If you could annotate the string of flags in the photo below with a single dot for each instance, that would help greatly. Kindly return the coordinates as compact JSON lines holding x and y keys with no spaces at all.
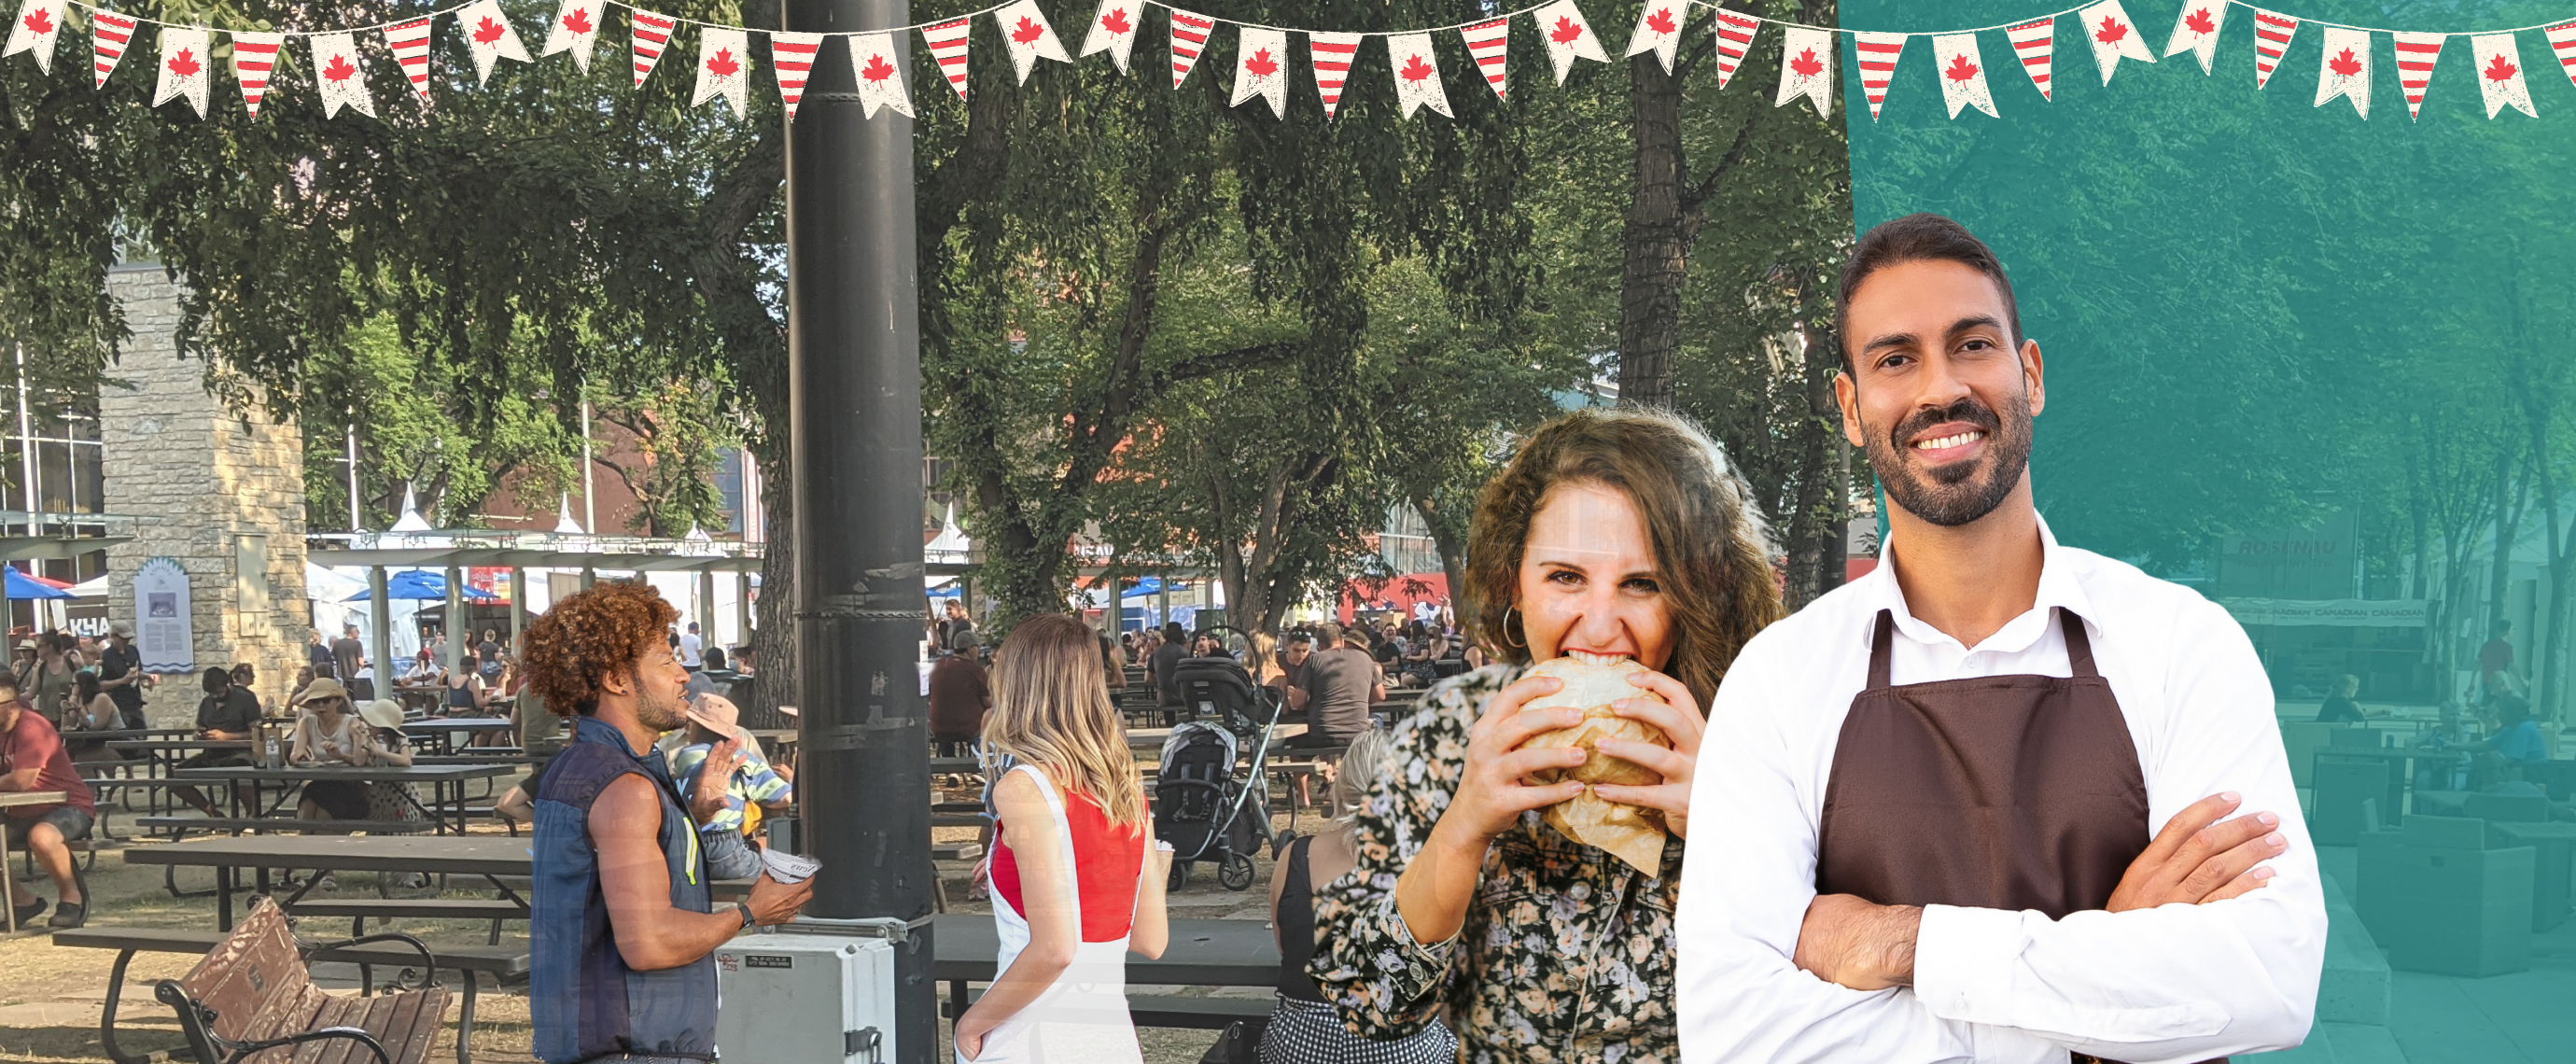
{"x":184,"y":60}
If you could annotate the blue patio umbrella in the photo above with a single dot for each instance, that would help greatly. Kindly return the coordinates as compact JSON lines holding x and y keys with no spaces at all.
{"x":22,"y":586}
{"x":420,"y":584}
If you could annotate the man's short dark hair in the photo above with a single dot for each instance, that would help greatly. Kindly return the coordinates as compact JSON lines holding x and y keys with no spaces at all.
{"x":1919,"y":237}
{"x":1328,"y":635}
{"x":1301,"y":636}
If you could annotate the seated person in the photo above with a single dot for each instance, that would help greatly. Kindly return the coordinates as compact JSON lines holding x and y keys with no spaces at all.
{"x":330,"y":733}
{"x":226,"y":713}
{"x":750,"y":786}
{"x":32,"y":758}
{"x":2339,"y":708}
{"x":2515,"y":743}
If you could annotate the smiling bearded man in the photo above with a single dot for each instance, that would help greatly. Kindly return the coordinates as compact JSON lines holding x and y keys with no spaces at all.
{"x":1969,"y":807}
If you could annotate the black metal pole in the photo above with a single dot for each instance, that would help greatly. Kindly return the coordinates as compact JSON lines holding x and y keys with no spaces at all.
{"x":854,"y":383}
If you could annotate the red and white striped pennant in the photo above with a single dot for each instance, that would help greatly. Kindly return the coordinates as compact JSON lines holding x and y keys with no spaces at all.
{"x":2272,"y":33}
{"x":1486,"y":43}
{"x":254,"y":58}
{"x":2562,"y":39}
{"x":110,"y":34}
{"x":791,"y":57}
{"x":410,"y":42}
{"x":1189,"y":38}
{"x":1332,"y":53}
{"x":2035,"y":44}
{"x":1735,"y":34}
{"x":947,"y":42}
{"x":2416,"y":54}
{"x":649,"y":35}
{"x":1875,"y":58}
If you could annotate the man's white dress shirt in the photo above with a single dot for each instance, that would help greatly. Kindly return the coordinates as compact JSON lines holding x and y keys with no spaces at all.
{"x":2174,"y":983}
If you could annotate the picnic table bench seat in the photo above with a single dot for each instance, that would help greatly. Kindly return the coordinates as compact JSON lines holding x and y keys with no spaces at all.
{"x":359,"y":909}
{"x":1173,"y":1010}
{"x":180,"y":826}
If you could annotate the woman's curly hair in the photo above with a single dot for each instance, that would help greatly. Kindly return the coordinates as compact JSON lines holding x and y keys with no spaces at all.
{"x":589,"y":636}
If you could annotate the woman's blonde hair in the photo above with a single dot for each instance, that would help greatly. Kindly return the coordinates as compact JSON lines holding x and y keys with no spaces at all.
{"x":1051,"y":709}
{"x":1367,"y":758}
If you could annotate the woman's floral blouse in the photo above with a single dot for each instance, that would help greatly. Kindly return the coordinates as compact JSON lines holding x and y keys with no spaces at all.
{"x":1566,"y":954}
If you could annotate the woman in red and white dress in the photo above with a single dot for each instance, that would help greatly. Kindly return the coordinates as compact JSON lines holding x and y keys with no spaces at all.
{"x":1077,"y":877}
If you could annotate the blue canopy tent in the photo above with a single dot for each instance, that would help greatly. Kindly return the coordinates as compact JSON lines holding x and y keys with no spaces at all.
{"x":418,"y":584}
{"x":22,"y":586}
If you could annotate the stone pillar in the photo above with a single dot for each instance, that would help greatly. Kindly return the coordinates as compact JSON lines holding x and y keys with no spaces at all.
{"x":217,"y":490}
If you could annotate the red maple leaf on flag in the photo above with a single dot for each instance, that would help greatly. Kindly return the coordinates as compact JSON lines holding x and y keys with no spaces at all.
{"x":339,"y":70}
{"x":1115,"y":21}
{"x":2200,"y":23}
{"x":1806,"y":65}
{"x":2344,"y":65}
{"x":2111,"y":32}
{"x":1960,"y":68}
{"x":184,"y":64}
{"x":1567,"y":30}
{"x":723,"y":65}
{"x":1028,"y":32}
{"x":2499,"y":70}
{"x":488,"y":32}
{"x":1415,"y":69}
{"x":1661,"y":21}
{"x":37,"y":22}
{"x":1261,"y":65}
{"x":878,"y":69}
{"x":578,"y":21}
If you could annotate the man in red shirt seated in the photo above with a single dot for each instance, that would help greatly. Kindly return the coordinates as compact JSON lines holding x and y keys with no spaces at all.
{"x":32,"y":758}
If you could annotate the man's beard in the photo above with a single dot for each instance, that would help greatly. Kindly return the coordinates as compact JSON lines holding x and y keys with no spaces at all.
{"x":1960,"y":492}
{"x":661,"y":716}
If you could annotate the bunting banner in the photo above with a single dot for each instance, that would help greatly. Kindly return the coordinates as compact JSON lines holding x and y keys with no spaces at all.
{"x":1417,"y":74}
{"x":2345,"y":71}
{"x":2272,"y":33}
{"x":1189,"y":38}
{"x":110,"y":34}
{"x":2035,"y":44}
{"x":1735,"y":35}
{"x":1807,"y":68}
{"x":254,"y":61}
{"x":2416,"y":54}
{"x":1568,"y":33}
{"x":2500,"y":74}
{"x":1963,"y":73}
{"x":1025,"y":30}
{"x":1332,"y":54}
{"x":2196,"y":31}
{"x":1261,"y":68}
{"x":1659,"y":30}
{"x":575,"y":29}
{"x":1113,"y":30}
{"x":880,"y":72}
{"x":489,"y":38}
{"x":947,"y":42}
{"x":724,"y":68}
{"x":1486,"y":43}
{"x":183,"y":68}
{"x":651,"y":37}
{"x":339,"y":76}
{"x":39,"y":26}
{"x":410,"y":42}
{"x":1874,"y":55}
{"x":791,"y":58}
{"x":2114,"y":37}
{"x":2562,"y":40}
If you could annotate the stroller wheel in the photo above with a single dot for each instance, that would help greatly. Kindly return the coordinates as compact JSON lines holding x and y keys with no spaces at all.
{"x":1179,"y":878}
{"x":1235,"y":872}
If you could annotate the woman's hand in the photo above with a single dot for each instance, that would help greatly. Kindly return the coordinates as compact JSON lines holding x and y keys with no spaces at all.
{"x":969,"y":1036}
{"x":1679,"y":717}
{"x":1494,"y":791}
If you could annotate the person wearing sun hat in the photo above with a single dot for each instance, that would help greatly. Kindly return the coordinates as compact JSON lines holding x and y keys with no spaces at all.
{"x":752,"y":785}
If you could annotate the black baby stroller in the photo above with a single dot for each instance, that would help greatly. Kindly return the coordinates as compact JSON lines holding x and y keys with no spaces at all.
{"x":1202,"y":808}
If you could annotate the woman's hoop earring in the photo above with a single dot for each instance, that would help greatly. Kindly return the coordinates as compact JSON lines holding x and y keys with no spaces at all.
{"x":1508,"y":611}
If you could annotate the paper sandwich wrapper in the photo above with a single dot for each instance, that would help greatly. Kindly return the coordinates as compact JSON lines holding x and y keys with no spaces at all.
{"x":1634,"y":834}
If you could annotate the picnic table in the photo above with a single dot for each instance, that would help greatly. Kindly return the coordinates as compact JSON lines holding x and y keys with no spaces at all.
{"x":9,"y":920}
{"x":438,"y":734}
{"x":292,"y":778}
{"x":489,"y":856}
{"x":1202,"y":953}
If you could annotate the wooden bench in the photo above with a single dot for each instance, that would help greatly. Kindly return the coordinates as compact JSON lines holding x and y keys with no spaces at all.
{"x":253,"y":993}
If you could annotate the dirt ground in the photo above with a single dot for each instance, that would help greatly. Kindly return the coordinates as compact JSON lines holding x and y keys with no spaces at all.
{"x":50,"y":997}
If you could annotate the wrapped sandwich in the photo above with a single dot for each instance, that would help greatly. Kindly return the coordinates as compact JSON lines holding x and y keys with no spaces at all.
{"x":1634,"y":834}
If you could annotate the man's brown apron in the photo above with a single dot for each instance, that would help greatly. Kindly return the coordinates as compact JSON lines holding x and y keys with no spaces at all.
{"x":1999,"y":792}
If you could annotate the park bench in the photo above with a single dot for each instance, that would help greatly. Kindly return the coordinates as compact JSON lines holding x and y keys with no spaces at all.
{"x":419,"y":961}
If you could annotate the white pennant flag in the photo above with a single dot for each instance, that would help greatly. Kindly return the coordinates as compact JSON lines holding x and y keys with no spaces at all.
{"x":1113,"y":30}
{"x":1332,"y":54}
{"x":1261,"y":67}
{"x":2416,"y":54}
{"x":410,"y":42}
{"x":1874,"y":57}
{"x":2114,"y":36}
{"x":2035,"y":44}
{"x":649,"y":37}
{"x":1659,"y":30}
{"x":1807,"y":68}
{"x":724,"y":68}
{"x":110,"y":35}
{"x":880,"y":73}
{"x":254,"y":63}
{"x":1963,"y":73}
{"x":2500,"y":73}
{"x":337,"y":73}
{"x":1735,"y":33}
{"x":1190,"y":35}
{"x":947,"y":42}
{"x":1486,"y":44}
{"x":2196,"y":31}
{"x":791,"y":57}
{"x":39,"y":25}
{"x":1417,"y":74}
{"x":2562,"y":39}
{"x":489,"y":37}
{"x":2272,"y":33}
{"x":1026,"y":33}
{"x":2345,"y":71}
{"x":183,"y":68}
{"x":575,"y":29}
{"x":1568,"y":33}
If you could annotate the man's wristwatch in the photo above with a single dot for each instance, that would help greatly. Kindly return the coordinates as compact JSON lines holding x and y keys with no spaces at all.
{"x":746,"y":914}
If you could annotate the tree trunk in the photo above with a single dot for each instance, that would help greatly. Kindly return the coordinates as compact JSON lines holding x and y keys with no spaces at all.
{"x":1453,"y":556}
{"x":773,"y":637}
{"x":1656,"y":250}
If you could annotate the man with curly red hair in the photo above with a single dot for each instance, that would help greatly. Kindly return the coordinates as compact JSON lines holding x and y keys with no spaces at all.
{"x":622,"y":933}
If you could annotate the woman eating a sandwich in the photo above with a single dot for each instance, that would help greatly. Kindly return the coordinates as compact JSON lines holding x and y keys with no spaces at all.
{"x":1519,"y":862}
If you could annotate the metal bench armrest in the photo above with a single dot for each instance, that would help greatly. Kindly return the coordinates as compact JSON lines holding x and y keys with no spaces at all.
{"x":428,"y":962}
{"x":241,"y":1050}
